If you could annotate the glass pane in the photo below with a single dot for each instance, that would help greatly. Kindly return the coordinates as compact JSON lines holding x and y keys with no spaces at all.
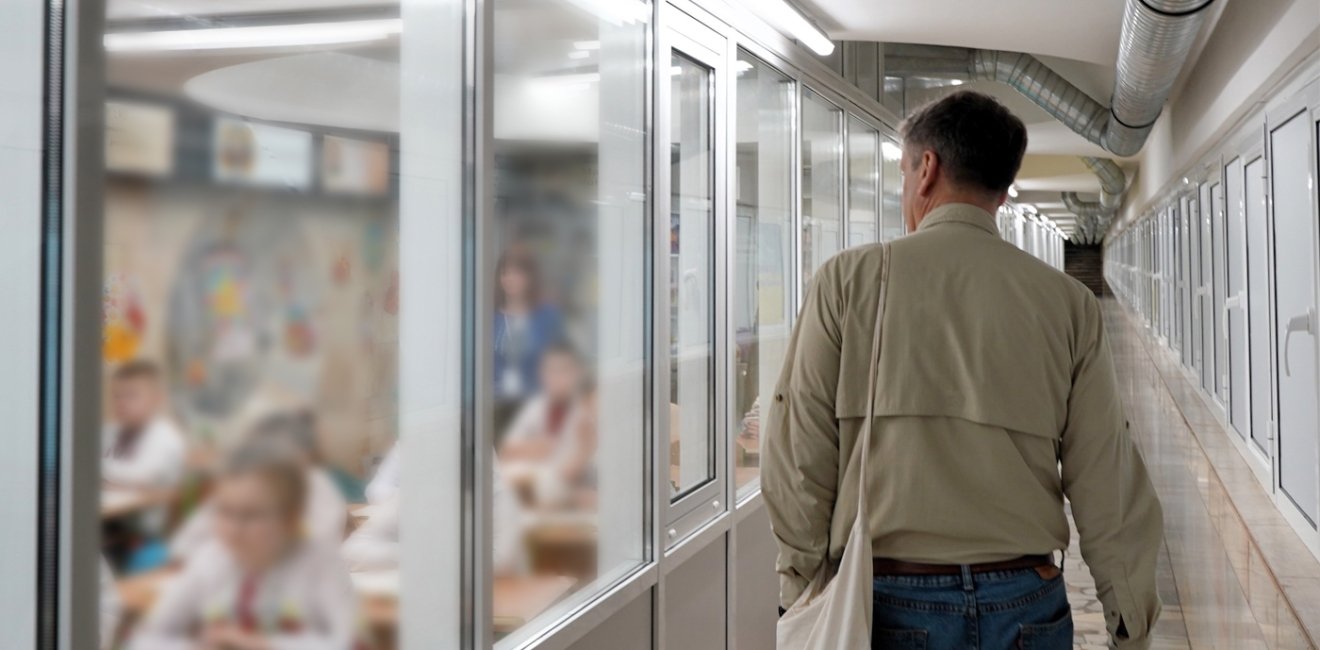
{"x":282,"y":314}
{"x":566,"y":301}
{"x":761,"y":307}
{"x":891,"y":196}
{"x":863,"y":182}
{"x":691,"y":276}
{"x":1220,"y":291}
{"x":22,"y":30}
{"x":822,"y":182}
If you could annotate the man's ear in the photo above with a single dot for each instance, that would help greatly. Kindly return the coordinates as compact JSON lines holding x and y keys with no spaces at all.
{"x":928,"y":173}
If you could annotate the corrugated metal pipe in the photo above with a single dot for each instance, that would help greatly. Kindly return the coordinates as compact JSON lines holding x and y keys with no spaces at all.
{"x":1157,"y":36}
{"x":1112,"y":184}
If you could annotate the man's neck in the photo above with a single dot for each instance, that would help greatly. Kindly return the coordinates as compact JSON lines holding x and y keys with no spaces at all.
{"x":951,"y":196}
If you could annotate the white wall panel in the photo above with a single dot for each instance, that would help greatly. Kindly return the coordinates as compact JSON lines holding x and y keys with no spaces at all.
{"x":756,"y":585}
{"x":694,"y":601}
{"x":627,"y":629}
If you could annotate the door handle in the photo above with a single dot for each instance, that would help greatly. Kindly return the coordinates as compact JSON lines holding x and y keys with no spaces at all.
{"x":1300,"y":323}
{"x":1232,"y":302}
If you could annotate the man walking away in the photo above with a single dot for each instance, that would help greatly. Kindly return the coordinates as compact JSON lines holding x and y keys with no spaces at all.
{"x":995,"y":399}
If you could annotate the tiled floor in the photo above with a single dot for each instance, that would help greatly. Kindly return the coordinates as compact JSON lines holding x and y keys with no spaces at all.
{"x":1214,"y":581}
{"x":1088,"y":617}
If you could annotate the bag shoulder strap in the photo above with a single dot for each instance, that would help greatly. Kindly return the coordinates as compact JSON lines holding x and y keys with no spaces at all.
{"x":870,"y":383}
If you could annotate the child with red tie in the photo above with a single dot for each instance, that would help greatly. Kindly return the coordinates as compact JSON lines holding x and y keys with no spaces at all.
{"x":260,"y":583}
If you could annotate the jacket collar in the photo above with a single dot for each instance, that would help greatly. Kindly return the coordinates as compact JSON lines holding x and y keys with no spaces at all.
{"x":963,"y":213}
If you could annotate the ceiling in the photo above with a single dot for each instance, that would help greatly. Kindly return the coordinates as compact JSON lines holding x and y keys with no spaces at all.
{"x":1085,"y":30}
{"x":1076,"y":38}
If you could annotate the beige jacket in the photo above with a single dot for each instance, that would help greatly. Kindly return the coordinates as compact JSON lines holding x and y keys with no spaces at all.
{"x":995,"y":398}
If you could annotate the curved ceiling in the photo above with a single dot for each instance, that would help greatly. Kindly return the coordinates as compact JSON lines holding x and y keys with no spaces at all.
{"x":1085,"y":30}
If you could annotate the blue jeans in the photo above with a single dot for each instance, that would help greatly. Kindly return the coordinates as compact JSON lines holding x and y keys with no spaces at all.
{"x":996,"y":610}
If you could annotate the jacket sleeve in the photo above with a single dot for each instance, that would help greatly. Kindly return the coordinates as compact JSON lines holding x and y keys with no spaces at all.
{"x":1118,"y":515}
{"x":800,"y":455}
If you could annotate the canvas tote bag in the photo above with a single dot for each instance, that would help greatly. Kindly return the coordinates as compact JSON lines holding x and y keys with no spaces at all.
{"x":834,"y":613}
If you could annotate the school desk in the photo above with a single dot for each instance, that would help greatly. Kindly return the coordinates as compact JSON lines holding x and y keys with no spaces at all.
{"x":563,"y":543}
{"x":118,"y":501}
{"x":750,"y":451}
{"x":515,"y":599}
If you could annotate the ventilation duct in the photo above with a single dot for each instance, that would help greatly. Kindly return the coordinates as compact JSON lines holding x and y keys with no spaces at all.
{"x":1112,"y":184}
{"x":1156,"y":37}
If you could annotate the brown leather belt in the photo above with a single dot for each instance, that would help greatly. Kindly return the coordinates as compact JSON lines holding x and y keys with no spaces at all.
{"x":886,"y":567}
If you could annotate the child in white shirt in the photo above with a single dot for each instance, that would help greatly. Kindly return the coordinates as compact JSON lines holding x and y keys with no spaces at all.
{"x":325,"y":516}
{"x":140,"y":447}
{"x":259,"y":583}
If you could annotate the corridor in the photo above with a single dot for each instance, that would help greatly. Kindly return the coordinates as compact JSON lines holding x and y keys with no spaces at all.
{"x":1233,"y":574}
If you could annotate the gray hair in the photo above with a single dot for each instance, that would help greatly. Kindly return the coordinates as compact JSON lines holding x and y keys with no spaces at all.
{"x":979,"y":142}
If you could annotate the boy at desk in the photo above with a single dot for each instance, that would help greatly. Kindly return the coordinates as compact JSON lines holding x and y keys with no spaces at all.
{"x":258,"y":583}
{"x":140,"y":448}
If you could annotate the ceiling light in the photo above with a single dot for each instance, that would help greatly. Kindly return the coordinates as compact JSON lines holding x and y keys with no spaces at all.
{"x":783,"y":16}
{"x":221,"y":38}
{"x":1012,"y":191}
{"x":587,"y":45}
{"x":956,"y":82}
{"x":579,"y":54}
{"x":618,"y":12}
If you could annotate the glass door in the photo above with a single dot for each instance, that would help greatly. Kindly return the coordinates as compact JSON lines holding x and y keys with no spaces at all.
{"x":691,"y":265}
{"x":1185,"y":281}
{"x":1235,"y":315}
{"x":1194,"y":288}
{"x":1291,"y":141}
{"x":1207,"y":290}
{"x":1220,"y":291}
{"x":1258,"y":312}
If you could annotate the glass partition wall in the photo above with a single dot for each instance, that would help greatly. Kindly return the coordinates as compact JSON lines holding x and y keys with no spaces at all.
{"x":282,"y":324}
{"x":822,"y":188}
{"x":566,"y":299}
{"x":863,"y":182}
{"x":363,"y":276}
{"x":763,"y":296}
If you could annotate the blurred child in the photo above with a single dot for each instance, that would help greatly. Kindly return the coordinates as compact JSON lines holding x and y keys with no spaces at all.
{"x":140,"y":447}
{"x":325,"y":517}
{"x":385,"y":482}
{"x":553,"y":436}
{"x":258,"y":583}
{"x":374,"y":545}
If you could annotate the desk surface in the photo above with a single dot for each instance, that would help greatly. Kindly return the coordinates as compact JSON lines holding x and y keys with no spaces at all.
{"x":517,"y":599}
{"x":120,"y":501}
{"x":750,"y":446}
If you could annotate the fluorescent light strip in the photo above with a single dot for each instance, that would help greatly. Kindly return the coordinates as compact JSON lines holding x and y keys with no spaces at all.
{"x":223,"y":38}
{"x":782,"y":15}
{"x":617,"y":12}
